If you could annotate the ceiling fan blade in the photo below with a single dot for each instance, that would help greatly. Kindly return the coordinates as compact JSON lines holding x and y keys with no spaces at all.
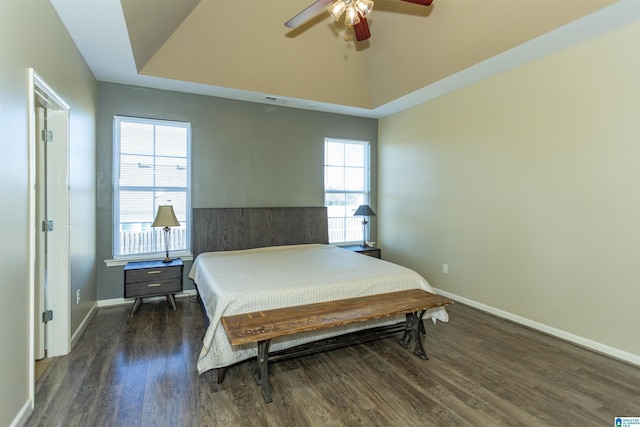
{"x":307,"y":14}
{"x":361,"y":29}
{"x":422,"y":2}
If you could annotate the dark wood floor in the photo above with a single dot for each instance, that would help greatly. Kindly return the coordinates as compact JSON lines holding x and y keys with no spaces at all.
{"x":483,"y":371}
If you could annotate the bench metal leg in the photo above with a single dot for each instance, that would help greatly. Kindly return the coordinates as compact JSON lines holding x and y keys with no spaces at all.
{"x":413,"y":333}
{"x":262,"y":372}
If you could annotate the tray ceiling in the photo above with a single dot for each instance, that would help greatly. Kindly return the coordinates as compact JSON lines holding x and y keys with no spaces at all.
{"x":241,"y":49}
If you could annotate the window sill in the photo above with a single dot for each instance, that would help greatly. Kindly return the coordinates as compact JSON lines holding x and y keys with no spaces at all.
{"x":119,"y":262}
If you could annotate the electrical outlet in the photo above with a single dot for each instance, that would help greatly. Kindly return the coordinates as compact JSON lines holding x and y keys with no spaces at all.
{"x":445,"y":268}
{"x":78,"y":296}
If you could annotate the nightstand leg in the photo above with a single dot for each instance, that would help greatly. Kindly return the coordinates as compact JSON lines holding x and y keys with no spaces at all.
{"x":172,"y":300}
{"x":136,"y":305}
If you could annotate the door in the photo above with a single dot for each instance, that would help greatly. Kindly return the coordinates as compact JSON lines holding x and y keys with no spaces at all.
{"x":46,"y":201}
{"x":49,"y":218}
{"x":41,"y":235}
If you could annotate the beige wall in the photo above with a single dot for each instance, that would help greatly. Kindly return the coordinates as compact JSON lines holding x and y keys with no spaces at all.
{"x":31,"y":35}
{"x":528,"y":186}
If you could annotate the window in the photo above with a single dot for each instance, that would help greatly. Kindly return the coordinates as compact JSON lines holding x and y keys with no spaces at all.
{"x":346,"y":186}
{"x":151,"y":167}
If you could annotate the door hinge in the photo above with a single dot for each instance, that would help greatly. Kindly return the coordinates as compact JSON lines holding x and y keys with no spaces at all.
{"x":47,"y":225}
{"x":47,"y":316}
{"x":46,"y":135}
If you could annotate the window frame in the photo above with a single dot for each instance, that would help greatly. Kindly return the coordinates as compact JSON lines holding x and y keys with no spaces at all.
{"x":185,"y":252}
{"x":366,"y":192}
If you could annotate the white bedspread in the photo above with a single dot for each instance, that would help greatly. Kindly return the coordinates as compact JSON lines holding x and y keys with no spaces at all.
{"x":243,"y":281}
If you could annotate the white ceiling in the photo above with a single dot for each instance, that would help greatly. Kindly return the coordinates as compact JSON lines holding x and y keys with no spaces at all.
{"x":184,"y":54}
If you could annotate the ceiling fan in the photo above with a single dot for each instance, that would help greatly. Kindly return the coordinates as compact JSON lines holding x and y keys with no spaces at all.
{"x":356,"y":14}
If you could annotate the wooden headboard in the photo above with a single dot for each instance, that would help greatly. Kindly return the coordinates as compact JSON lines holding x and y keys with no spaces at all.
{"x":227,"y":229}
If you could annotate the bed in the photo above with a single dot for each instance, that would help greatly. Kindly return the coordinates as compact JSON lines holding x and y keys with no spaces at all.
{"x":249,"y":259}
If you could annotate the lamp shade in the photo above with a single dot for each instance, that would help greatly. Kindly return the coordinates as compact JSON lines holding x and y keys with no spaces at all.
{"x":364,"y":210}
{"x":165,"y":217}
{"x":352,"y":17}
{"x":364,"y":7}
{"x":336,"y":9}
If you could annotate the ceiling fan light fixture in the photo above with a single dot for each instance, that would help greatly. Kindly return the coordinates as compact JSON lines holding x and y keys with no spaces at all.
{"x":336,"y":9}
{"x":356,"y":16}
{"x":352,"y":17}
{"x":364,"y":7}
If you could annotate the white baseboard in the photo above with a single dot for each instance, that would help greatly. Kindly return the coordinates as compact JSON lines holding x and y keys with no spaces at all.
{"x":83,"y":325}
{"x":23,"y":416}
{"x":613,"y":352}
{"x":128,"y":301}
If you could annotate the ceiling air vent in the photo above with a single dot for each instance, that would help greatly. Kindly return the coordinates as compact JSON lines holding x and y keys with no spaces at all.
{"x":276,"y":100}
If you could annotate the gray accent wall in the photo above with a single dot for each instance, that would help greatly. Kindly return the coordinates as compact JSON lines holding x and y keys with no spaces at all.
{"x":243,"y":155}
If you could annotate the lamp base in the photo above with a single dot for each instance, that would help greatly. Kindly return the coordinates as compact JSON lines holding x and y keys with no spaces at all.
{"x":166,"y":245}
{"x":364,"y":234}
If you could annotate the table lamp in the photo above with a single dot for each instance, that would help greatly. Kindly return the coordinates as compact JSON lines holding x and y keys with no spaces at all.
{"x":166,"y":218}
{"x":364,"y":211}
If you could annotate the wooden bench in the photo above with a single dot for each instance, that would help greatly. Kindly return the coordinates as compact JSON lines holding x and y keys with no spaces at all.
{"x":263,"y":326}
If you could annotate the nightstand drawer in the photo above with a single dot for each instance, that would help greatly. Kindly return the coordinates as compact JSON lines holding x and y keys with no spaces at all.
{"x":368,"y":251}
{"x":149,"y":288}
{"x":371,"y":253}
{"x":149,"y":275}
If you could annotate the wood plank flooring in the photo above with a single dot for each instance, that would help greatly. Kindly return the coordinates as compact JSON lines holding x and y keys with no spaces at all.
{"x":483,"y":371}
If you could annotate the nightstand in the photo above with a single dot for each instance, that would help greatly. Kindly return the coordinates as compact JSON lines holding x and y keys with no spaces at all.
{"x":152,"y":278}
{"x":369,"y":251}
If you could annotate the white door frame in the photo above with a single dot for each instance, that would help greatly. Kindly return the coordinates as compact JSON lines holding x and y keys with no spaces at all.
{"x":59,"y":286}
